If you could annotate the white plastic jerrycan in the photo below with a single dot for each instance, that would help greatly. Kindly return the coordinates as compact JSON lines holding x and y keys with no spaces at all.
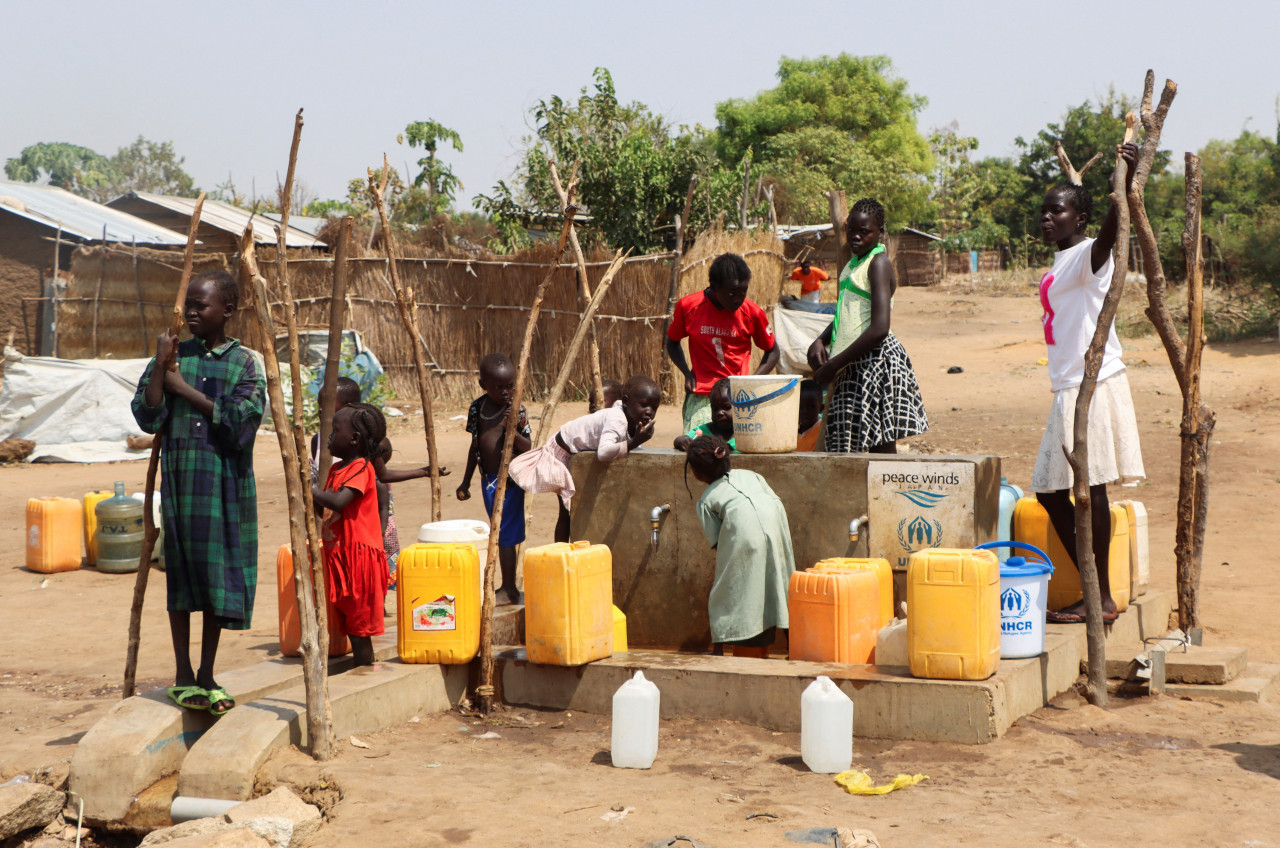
{"x":635,"y":723}
{"x":826,"y":728}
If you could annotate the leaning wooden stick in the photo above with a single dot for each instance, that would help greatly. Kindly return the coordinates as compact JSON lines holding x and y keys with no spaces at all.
{"x":314,"y":660}
{"x":584,"y":292}
{"x":153,"y":532}
{"x":337,"y":322}
{"x":315,"y":555}
{"x":485,"y":691}
{"x":571,"y":353}
{"x":1078,"y":456}
{"x":1073,"y":176}
{"x":408,"y":317}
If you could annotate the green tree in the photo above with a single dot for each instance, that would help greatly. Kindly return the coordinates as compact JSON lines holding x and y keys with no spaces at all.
{"x":151,"y":166}
{"x":634,"y":171}
{"x":77,"y":169}
{"x":845,"y":122}
{"x":436,"y":178}
{"x":956,"y":181}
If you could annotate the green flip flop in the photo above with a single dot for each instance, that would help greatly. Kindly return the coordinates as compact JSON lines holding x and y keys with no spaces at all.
{"x":182,"y":695}
{"x":220,"y":696}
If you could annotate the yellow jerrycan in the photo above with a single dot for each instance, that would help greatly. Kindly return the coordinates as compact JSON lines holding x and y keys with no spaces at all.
{"x":91,"y":500}
{"x":287,"y":606}
{"x":568,"y":603}
{"x":882,"y":570}
{"x":834,"y":615}
{"x":438,"y":603}
{"x":54,"y":529}
{"x":953,"y":614}
{"x":1031,"y":525}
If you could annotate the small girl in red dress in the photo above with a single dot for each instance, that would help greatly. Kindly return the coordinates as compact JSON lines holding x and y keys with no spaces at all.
{"x":355,"y":560}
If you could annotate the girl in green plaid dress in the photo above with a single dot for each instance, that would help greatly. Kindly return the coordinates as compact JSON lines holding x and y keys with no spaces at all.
{"x":207,"y":412}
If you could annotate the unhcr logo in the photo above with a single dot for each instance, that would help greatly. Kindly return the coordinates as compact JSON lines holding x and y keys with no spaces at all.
{"x":1015,"y":603}
{"x":745,"y":403}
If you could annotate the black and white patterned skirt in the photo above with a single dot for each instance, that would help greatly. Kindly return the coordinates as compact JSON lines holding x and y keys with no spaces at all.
{"x":875,"y":400}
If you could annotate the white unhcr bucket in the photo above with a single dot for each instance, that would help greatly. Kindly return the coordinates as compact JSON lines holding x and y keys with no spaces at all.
{"x":766,"y":412}
{"x":1024,"y":598}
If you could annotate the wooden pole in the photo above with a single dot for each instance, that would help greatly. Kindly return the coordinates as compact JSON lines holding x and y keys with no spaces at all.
{"x":152,"y":533}
{"x":486,"y":691}
{"x":839,"y":214}
{"x":584,"y":294}
{"x":97,"y":297}
{"x":337,"y":324}
{"x":571,"y":353}
{"x":746,"y":189}
{"x":377,"y":191}
{"x":142,"y":310}
{"x":315,"y":556}
{"x":1078,"y":456}
{"x":314,"y":661}
{"x":57,"y":252}
{"x":1198,"y":420}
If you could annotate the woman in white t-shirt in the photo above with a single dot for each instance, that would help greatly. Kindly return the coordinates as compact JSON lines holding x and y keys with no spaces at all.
{"x":1071,"y":295}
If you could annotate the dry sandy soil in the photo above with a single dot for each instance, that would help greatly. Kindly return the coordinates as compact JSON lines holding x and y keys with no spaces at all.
{"x":1151,"y":771}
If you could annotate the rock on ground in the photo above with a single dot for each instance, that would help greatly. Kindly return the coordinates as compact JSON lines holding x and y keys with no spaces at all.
{"x":281,"y":802}
{"x":27,"y":805}
{"x":270,"y":831}
{"x":236,"y":837}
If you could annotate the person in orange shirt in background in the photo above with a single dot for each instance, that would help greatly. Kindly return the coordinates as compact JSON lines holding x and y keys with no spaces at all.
{"x":811,"y":280}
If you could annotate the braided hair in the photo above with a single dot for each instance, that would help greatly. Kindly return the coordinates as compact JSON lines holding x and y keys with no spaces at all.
{"x":1078,"y":196}
{"x":709,"y":456}
{"x":869,"y":207}
{"x":371,"y":427}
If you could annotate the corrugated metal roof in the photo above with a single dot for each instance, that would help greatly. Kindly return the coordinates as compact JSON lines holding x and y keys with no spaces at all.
{"x":231,"y":219}
{"x":305,"y":223}
{"x":82,"y":218}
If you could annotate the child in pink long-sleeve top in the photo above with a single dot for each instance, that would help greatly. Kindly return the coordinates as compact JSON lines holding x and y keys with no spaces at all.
{"x":611,"y":433}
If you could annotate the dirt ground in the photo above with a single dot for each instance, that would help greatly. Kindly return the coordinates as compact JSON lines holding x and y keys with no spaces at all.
{"x":1151,"y":771}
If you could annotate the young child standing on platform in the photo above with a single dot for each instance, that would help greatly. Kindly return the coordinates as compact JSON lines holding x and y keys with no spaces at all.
{"x":721,"y":324}
{"x":355,"y":561}
{"x":209,"y":409}
{"x":1071,"y":295}
{"x":747,"y":525}
{"x":721,"y":423}
{"x":611,"y":433}
{"x":875,"y":399}
{"x":487,"y":422}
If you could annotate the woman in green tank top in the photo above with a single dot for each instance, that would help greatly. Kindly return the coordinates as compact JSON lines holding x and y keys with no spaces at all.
{"x":875,"y":398}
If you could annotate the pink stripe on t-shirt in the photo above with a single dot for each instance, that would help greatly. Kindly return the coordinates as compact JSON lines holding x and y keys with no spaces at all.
{"x":1047,"y":318}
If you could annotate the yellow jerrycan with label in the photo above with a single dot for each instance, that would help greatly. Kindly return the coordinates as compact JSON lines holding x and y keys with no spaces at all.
{"x":438,"y":602}
{"x":1031,"y":525}
{"x":953,"y":614}
{"x":882,"y":570}
{"x":568,"y":603}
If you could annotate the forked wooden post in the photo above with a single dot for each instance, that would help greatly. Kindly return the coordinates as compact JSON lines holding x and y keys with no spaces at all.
{"x":839,"y":209}
{"x":314,"y":556}
{"x":408,"y":317}
{"x":584,"y":293}
{"x":314,"y":661}
{"x":486,"y":691}
{"x":153,"y":464}
{"x":1078,"y":456}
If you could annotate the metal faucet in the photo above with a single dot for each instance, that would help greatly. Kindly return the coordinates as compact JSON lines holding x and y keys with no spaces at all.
{"x":655,"y":522}
{"x":856,"y":526}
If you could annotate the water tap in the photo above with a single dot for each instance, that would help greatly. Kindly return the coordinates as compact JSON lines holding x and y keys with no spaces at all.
{"x":856,"y":526}
{"x":655,"y":522}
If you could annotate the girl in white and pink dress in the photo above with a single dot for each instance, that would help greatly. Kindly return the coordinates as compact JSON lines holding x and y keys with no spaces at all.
{"x":1071,"y":295}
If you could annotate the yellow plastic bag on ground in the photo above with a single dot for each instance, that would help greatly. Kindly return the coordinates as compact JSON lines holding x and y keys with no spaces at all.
{"x":859,"y":783}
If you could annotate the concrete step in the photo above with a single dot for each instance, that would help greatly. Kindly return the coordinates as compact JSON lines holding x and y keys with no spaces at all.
{"x":1258,"y":683}
{"x":225,"y":760}
{"x":1191,"y":665}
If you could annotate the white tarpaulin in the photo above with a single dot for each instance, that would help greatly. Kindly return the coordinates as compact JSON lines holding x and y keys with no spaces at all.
{"x":795,"y":331}
{"x":75,"y":410}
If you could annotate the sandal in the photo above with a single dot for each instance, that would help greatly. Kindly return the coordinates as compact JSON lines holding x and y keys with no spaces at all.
{"x":182,"y":695}
{"x":217,"y":697}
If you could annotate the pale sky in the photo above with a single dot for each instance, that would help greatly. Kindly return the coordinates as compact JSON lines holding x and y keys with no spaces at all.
{"x":223,"y":80}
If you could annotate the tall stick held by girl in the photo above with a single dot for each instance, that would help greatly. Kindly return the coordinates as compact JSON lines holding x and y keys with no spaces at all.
{"x":1071,"y":295}
{"x":875,"y":399}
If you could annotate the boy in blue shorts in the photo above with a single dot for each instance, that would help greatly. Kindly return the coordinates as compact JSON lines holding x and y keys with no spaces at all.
{"x":487,"y":421}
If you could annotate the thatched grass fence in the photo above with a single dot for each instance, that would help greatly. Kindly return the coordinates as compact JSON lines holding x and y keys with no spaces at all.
{"x":467,"y":307}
